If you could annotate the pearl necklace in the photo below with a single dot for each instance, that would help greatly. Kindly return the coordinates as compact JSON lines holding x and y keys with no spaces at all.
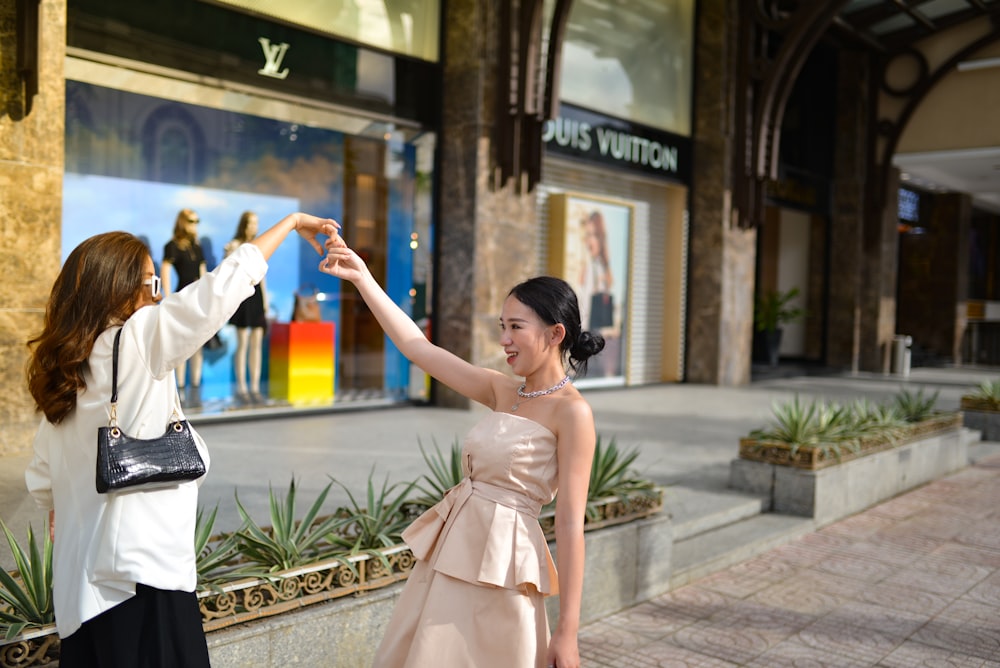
{"x":538,"y":393}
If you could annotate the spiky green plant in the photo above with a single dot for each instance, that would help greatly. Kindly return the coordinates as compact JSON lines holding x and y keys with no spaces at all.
{"x":214,"y":557}
{"x":445,"y":473}
{"x":378,"y":523}
{"x":797,"y":423}
{"x":611,"y":473}
{"x":286,"y":543}
{"x":914,"y":406}
{"x":875,"y":419}
{"x":28,"y":594}
{"x":988,"y":391}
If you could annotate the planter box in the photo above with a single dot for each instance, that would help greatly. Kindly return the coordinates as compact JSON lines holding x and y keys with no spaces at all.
{"x":328,"y":614}
{"x":814,"y":457}
{"x":839,"y":489}
{"x":982,"y":415}
{"x":37,"y":648}
{"x":253,"y":598}
{"x":626,"y":564}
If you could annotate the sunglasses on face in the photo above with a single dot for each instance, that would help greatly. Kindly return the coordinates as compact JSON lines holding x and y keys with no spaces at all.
{"x":154,"y":285}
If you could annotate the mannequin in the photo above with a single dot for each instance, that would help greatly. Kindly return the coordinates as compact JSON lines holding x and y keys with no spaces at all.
{"x":183,"y":253}
{"x":250,"y":320}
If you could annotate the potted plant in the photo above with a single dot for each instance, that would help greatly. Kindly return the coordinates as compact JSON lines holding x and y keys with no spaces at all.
{"x":773,"y":309}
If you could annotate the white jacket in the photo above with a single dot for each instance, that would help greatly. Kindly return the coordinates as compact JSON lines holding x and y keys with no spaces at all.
{"x":106,"y":543}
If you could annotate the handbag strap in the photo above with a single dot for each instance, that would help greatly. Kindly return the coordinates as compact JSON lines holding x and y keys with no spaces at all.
{"x":113,"y":421}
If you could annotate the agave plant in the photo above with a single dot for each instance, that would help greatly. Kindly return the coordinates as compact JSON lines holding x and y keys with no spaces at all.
{"x":214,"y":557}
{"x":27,"y":596}
{"x":378,"y":524}
{"x":914,"y":406}
{"x":444,"y":474}
{"x":988,"y":392}
{"x":286,"y":543}
{"x":874,"y":419}
{"x":798,"y":424}
{"x":611,"y":475}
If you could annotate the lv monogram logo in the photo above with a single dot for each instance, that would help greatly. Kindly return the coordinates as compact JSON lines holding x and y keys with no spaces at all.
{"x":273,"y":55}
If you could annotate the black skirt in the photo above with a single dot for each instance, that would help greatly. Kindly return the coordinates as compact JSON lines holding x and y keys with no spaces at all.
{"x":153,"y":629}
{"x":251,"y":311}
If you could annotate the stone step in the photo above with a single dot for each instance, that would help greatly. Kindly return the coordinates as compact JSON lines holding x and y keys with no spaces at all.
{"x":696,"y":511}
{"x":711,"y":551}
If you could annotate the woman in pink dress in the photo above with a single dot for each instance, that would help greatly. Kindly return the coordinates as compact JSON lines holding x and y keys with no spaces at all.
{"x":476,"y":594}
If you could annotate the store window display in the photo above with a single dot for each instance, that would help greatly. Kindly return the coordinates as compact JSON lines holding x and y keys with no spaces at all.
{"x":250,"y":321}
{"x":183,"y":254}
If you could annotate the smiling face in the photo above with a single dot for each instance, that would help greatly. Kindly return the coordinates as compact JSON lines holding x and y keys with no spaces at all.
{"x":528,"y":342}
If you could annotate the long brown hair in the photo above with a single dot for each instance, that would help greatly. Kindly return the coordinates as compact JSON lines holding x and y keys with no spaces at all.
{"x":182,"y":237}
{"x":241,"y":228}
{"x":98,"y":286}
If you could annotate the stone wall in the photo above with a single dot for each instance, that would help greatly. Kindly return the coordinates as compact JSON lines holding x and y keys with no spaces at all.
{"x":31,"y":172}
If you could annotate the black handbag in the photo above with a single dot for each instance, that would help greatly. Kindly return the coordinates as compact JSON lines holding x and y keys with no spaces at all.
{"x":124,"y":462}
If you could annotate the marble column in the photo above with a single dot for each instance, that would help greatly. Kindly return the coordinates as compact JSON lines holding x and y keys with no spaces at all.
{"x":31,"y":172}
{"x":861,"y":317}
{"x":722,"y":257}
{"x":847,"y":214}
{"x":486,"y":239}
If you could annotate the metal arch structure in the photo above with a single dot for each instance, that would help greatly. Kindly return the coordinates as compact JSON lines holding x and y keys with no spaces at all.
{"x":890,"y":129}
{"x":527,"y":95}
{"x":767,"y":73}
{"x":776,"y":38}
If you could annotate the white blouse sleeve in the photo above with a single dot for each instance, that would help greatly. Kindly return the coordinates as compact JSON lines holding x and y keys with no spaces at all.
{"x":170,"y":332}
{"x":37,"y":476}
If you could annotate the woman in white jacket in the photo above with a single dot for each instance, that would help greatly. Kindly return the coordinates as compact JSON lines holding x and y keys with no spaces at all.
{"x":124,"y":564}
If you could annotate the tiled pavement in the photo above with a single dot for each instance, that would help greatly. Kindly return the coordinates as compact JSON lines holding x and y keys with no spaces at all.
{"x":913,"y":582}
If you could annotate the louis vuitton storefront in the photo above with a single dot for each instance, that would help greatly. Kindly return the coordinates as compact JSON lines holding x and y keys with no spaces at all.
{"x":615,"y":180}
{"x":227,"y":107}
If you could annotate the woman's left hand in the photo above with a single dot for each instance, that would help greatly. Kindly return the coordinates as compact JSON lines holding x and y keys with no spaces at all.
{"x":563,"y":651}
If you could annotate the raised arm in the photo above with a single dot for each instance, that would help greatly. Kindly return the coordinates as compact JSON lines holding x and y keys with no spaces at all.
{"x":308,"y":227}
{"x":467,"y":379}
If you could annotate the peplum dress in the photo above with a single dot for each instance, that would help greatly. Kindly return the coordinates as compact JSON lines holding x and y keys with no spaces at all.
{"x":476,"y":594}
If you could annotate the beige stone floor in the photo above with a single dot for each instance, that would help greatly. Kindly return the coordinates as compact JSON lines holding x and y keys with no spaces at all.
{"x":913,"y":582}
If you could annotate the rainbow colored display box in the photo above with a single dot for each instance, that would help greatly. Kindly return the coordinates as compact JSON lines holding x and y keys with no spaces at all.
{"x":302,"y":362}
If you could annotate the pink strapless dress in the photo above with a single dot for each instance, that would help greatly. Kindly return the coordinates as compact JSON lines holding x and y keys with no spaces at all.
{"x":475,"y":598}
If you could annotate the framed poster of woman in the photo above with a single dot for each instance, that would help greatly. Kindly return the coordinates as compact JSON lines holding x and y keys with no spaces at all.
{"x":589,"y":247}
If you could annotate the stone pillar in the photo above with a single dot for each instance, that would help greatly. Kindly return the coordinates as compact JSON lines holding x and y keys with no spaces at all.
{"x":847,"y":215}
{"x":487,"y":239}
{"x":31,"y":172}
{"x":878,"y":282}
{"x":722,"y":258}
{"x":934,"y":280}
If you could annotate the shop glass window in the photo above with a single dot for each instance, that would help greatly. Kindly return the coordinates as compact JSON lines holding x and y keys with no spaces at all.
{"x":133,"y":161}
{"x":631,"y":60}
{"x":408,"y":27}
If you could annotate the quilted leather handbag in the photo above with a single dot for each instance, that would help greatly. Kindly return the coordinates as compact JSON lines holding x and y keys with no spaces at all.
{"x":124,"y":462}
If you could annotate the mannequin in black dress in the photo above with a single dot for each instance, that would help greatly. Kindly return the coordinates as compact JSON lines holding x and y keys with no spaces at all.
{"x":250,"y":320}
{"x":184,"y":254}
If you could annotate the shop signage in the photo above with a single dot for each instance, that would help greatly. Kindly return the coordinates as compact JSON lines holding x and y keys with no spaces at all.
{"x":593,"y":136}
{"x":273,"y":55}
